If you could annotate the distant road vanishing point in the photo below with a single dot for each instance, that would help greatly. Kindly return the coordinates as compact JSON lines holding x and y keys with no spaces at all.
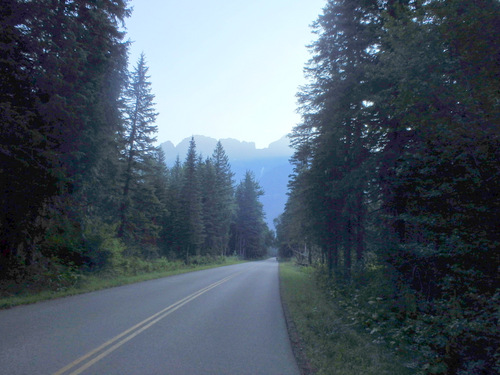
{"x":226,"y":320}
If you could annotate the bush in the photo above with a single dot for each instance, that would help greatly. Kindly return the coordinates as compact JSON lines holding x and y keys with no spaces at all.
{"x":440,"y":333}
{"x":104,"y":250}
{"x":45,"y":274}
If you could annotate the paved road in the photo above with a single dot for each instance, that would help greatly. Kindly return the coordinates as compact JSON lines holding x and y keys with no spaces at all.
{"x":226,"y":320}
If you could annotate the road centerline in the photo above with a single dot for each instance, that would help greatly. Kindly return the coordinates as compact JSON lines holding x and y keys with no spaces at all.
{"x":92,"y":357}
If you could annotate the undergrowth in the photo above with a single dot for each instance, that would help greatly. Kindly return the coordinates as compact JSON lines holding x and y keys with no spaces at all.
{"x":373,"y":317}
{"x":335,"y":340}
{"x":30,"y":285}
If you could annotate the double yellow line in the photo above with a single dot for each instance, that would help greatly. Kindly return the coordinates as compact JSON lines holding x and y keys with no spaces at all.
{"x":94,"y":356}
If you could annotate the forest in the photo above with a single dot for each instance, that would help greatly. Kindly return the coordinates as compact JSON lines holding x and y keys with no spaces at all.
{"x":394,"y":196}
{"x":393,"y":199}
{"x":83,"y":186}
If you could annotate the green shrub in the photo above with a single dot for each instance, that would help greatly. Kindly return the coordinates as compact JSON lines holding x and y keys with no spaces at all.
{"x":330,"y":322}
{"x":104,"y":250}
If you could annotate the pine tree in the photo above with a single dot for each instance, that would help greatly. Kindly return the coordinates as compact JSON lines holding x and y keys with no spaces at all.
{"x":139,"y":137}
{"x":26,"y":175}
{"x":338,"y":125}
{"x":223,"y":198}
{"x":191,"y":205}
{"x":79,"y":64}
{"x":210,"y":207}
{"x":249,"y":227}
{"x":69,"y":58}
{"x":399,"y":138}
{"x":441,"y":145}
{"x":149,"y":208}
{"x":172,"y":229}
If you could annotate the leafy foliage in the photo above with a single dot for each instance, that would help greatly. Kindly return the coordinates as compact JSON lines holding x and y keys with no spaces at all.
{"x":330,"y":329}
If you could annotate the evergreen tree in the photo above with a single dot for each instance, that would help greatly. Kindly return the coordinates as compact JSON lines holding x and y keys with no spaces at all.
{"x":171,"y":235}
{"x":338,"y":124}
{"x":66,"y":59}
{"x":149,"y":208}
{"x":79,"y":61}
{"x":26,"y":176}
{"x":393,"y":156}
{"x":139,"y":149}
{"x":441,"y":146}
{"x":191,"y":210}
{"x":249,"y":228}
{"x":159,"y":180}
{"x":209,"y":193}
{"x":223,"y":199}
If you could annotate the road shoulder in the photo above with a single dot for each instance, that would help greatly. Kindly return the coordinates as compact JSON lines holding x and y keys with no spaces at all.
{"x":295,"y":340}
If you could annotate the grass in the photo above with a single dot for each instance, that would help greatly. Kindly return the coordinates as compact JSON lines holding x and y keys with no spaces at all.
{"x":90,"y":283}
{"x":331,"y":343}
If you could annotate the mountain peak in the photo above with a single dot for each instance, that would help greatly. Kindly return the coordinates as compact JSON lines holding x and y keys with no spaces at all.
{"x":270,"y":165}
{"x":235,"y":149}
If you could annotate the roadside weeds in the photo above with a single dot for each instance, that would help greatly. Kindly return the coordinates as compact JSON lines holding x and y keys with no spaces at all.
{"x":297,"y":344}
{"x":92,"y":283}
{"x":323,"y":340}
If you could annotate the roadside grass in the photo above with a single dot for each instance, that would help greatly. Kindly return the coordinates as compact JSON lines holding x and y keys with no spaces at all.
{"x":332,"y":344}
{"x":85,"y":283}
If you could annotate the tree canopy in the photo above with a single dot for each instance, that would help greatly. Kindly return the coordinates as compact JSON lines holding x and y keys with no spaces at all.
{"x":396,"y":162}
{"x":83,"y":185}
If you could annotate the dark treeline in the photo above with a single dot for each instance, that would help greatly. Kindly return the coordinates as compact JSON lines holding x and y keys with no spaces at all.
{"x":82,"y":185}
{"x":395,"y":186}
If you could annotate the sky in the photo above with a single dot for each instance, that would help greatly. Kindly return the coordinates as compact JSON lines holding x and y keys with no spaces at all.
{"x":224,"y":68}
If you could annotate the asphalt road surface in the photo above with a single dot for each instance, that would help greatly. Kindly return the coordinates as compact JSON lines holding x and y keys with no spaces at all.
{"x":225,"y":320}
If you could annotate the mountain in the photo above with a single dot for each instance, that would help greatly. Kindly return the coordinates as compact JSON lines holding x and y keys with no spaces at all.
{"x":236,"y":150}
{"x":270,"y":165}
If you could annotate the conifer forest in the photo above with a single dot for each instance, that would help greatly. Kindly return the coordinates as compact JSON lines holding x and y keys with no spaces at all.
{"x":396,"y":169}
{"x":394,"y":197}
{"x":83,"y":185}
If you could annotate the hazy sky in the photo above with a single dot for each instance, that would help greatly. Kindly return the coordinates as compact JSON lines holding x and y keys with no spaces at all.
{"x":224,"y":68}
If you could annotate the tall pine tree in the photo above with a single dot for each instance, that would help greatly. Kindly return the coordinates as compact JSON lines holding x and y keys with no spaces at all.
{"x":140,"y":133}
{"x":191,"y":210}
{"x":69,"y":58}
{"x":337,"y":125}
{"x":224,"y":198}
{"x":249,"y":228}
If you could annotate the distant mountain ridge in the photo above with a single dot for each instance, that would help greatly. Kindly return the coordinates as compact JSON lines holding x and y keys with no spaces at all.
{"x":235,"y":150}
{"x":270,"y":165}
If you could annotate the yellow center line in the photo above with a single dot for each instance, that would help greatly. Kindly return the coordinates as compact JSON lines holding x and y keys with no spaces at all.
{"x":134,"y":331}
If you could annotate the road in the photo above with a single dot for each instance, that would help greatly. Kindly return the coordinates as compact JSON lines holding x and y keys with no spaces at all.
{"x":225,"y":320}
